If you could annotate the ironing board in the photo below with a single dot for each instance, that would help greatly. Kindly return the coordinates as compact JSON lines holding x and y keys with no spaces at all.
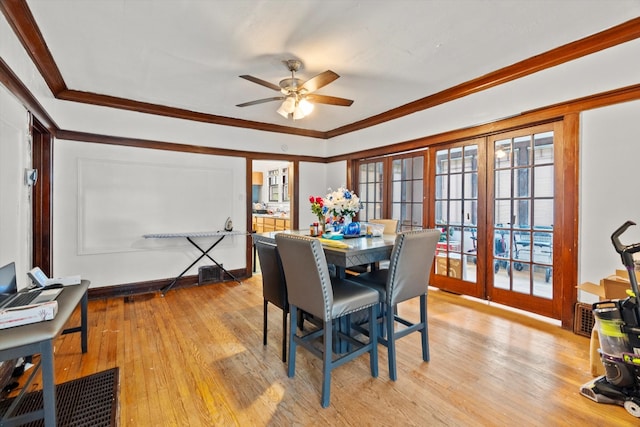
{"x":204,"y":252}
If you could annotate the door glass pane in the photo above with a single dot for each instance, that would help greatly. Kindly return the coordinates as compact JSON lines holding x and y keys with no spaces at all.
{"x":441,"y":187}
{"x":521,"y":214}
{"x":543,"y":181}
{"x":503,"y":184}
{"x":502,"y":212}
{"x":521,"y":183}
{"x":523,"y":246}
{"x":502,"y":154}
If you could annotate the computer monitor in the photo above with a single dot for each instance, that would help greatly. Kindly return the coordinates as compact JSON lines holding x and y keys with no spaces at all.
{"x":8,"y":283}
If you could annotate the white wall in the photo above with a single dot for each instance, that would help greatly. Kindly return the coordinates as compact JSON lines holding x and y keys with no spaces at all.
{"x":609,"y":194}
{"x":107,"y":197}
{"x":15,"y":195}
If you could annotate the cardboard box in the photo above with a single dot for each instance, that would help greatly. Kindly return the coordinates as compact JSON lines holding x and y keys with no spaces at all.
{"x":612,"y":287}
{"x":455,"y":267}
{"x":10,"y":317}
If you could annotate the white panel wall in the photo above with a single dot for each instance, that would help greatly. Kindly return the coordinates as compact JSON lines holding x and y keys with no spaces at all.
{"x":15,"y":195}
{"x":107,"y":197}
{"x":609,"y":192}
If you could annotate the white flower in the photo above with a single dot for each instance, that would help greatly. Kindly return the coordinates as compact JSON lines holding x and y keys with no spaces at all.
{"x":342,"y":202}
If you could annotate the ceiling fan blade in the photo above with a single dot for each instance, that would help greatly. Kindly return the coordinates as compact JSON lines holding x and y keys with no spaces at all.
{"x":322,"y":79}
{"x":260,"y":101}
{"x":331,"y":100}
{"x":261,"y":82}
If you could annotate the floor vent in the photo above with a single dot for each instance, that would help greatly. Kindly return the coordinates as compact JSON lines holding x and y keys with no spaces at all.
{"x":209,"y":274}
{"x":584,"y":320}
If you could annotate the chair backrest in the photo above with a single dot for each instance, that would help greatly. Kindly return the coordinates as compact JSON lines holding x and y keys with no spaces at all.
{"x":410,"y":264}
{"x":274,"y":286}
{"x":390,"y":225}
{"x":305,"y":267}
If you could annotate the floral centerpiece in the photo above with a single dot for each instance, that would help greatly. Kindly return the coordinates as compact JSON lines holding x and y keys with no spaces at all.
{"x":318,"y":208}
{"x":342,"y":203}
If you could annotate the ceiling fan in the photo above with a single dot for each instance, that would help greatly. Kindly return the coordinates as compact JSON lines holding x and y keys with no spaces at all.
{"x":298,"y":96}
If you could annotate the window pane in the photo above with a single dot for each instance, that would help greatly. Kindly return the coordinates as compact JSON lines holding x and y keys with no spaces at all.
{"x":416,"y":214}
{"x":417,"y":191}
{"x":396,"y":191}
{"x":455,"y":186}
{"x":441,"y":212}
{"x":418,"y":167}
{"x":470,"y":212}
{"x":502,"y":213}
{"x":502,"y":184}
{"x":455,"y":212}
{"x":543,"y":214}
{"x":502,"y":154}
{"x":442,"y":164}
{"x":543,"y":181}
{"x":456,"y":160}
{"x":441,"y":187}
{"x":543,"y":146}
{"x":521,"y":151}
{"x":406,"y":169}
{"x":406,"y":191}
{"x":521,"y":183}
{"x":471,"y":158}
{"x":521,"y":214}
{"x":471,"y":185}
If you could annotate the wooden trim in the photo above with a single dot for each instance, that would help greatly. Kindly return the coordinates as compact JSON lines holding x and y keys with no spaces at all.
{"x":570,"y":221}
{"x":20,"y":91}
{"x":152,"y":286}
{"x":41,"y":196}
{"x":23,"y":23}
{"x":161,"y":110}
{"x":525,"y":119}
{"x":25,"y":27}
{"x":171,"y":146}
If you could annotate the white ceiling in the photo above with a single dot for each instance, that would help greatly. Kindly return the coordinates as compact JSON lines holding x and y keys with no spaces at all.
{"x":189,"y":53}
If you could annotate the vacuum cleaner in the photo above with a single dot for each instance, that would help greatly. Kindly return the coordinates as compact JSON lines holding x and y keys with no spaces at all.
{"x":618,"y":326}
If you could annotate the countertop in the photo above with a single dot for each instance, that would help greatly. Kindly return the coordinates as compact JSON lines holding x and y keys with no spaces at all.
{"x":279,"y":215}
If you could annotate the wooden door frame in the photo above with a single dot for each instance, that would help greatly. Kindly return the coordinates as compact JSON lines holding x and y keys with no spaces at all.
{"x":41,"y":197}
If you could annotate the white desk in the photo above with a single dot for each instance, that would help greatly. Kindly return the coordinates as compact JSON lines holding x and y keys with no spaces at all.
{"x":204,"y":252}
{"x":37,"y":338}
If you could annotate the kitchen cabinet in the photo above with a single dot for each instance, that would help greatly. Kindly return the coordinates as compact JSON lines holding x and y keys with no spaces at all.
{"x":265,"y":223}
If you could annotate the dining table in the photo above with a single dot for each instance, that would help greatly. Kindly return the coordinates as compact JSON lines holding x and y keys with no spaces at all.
{"x":345,"y":251}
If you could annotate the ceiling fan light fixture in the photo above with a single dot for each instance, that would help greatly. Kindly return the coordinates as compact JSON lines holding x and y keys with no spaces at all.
{"x":305,"y":106}
{"x":298,"y":114}
{"x":282,"y":111}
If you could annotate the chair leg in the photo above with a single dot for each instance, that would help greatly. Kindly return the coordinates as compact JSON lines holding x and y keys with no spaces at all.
{"x":327,"y":359}
{"x":284,"y":335}
{"x":373,"y":339}
{"x":264,"y":323}
{"x":293,"y":314}
{"x":391,"y":343}
{"x":424,"y":332}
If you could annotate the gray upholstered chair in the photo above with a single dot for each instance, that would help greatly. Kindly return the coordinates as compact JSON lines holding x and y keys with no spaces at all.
{"x":329,"y":300}
{"x":406,"y":278}
{"x":274,"y":289}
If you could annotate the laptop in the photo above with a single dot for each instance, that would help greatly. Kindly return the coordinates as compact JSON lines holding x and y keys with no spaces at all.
{"x":11,"y":298}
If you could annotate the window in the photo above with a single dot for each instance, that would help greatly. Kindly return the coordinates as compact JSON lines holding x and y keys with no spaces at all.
{"x":407,"y":190}
{"x":274,"y":186}
{"x":456,"y":211}
{"x":371,"y":189}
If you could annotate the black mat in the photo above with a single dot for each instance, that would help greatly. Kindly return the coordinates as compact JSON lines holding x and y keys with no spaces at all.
{"x":90,"y":401}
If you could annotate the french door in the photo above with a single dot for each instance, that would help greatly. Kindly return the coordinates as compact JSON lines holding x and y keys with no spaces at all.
{"x":494,"y":199}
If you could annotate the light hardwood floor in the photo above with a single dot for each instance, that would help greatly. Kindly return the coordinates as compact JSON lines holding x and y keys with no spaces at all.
{"x":195,"y":358}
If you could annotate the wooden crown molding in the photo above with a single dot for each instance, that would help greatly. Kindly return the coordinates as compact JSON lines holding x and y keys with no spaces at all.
{"x":23,"y":23}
